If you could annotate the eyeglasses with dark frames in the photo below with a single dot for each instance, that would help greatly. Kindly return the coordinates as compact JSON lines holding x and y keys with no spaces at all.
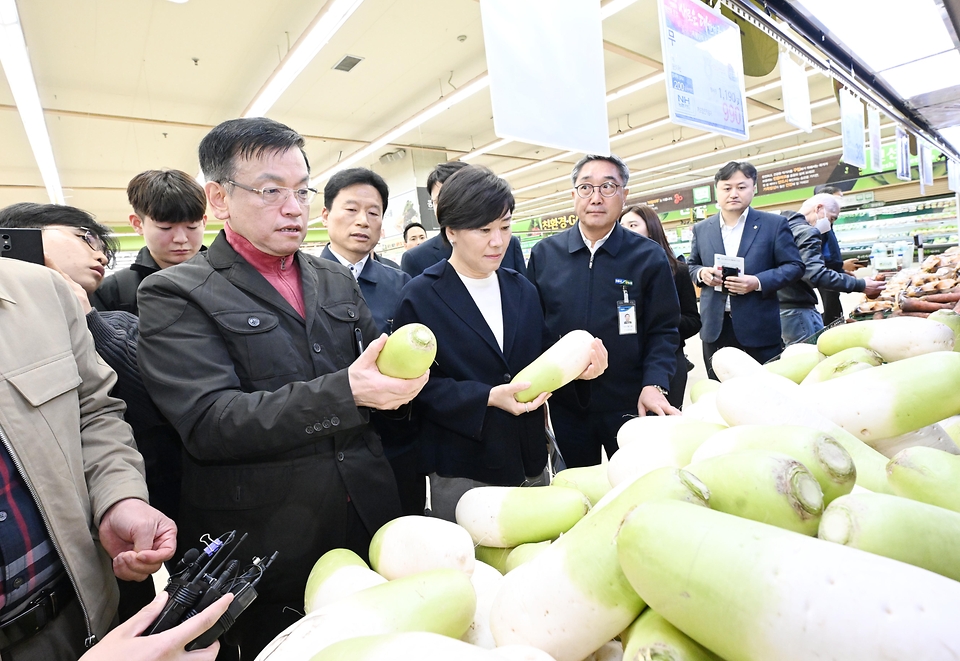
{"x":274,"y":195}
{"x":607,"y":189}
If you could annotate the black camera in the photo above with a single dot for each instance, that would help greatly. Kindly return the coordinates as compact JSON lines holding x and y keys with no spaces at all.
{"x":196,"y":582}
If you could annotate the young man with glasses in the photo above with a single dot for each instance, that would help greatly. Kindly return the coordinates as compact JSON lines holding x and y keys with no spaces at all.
{"x":168,"y":212}
{"x":598,"y":276}
{"x":275,"y":377}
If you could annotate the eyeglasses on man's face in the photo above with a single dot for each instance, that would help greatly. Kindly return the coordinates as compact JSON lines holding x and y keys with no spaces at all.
{"x":274,"y":195}
{"x":607,"y":189}
{"x":86,"y":235}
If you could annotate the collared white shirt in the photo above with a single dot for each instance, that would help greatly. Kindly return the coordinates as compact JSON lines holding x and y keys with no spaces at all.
{"x":731,"y":241}
{"x":355,"y":269}
{"x":596,"y":246}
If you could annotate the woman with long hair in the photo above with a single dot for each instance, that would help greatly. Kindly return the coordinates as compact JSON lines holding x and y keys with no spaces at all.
{"x":644,"y":221}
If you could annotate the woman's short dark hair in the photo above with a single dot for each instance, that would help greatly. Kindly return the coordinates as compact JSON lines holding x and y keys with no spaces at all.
{"x":471,"y":198}
{"x":30,"y":214}
{"x":655,"y":231}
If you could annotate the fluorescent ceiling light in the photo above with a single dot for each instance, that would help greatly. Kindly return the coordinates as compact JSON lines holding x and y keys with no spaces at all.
{"x":16,"y":66}
{"x":928,"y":75}
{"x":440,"y":106}
{"x":308,"y":45}
{"x":484,"y":150}
{"x":884,"y":33}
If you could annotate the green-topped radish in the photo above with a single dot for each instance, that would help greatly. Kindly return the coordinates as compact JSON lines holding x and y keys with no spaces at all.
{"x":413,"y":544}
{"x":848,"y":361}
{"x":441,"y":601}
{"x":764,"y":486}
{"x":730,"y":362}
{"x":948,"y":318}
{"x":591,"y":481}
{"x":509,"y":516}
{"x":749,"y":401}
{"x":893,"y":339}
{"x":572,"y":598}
{"x":919,"y":534}
{"x":892,"y":399}
{"x":337,"y":574}
{"x":652,"y":442}
{"x":421,"y":646}
{"x":702,"y":387}
{"x":652,"y":638}
{"x":525,"y":553}
{"x":557,"y":366}
{"x":928,"y":475}
{"x":493,"y":556}
{"x":797,"y":365}
{"x":752,"y":592}
{"x":408,"y":353}
{"x":823,"y":456}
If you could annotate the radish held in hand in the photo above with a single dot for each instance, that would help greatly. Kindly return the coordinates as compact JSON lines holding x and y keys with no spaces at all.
{"x":408,"y":353}
{"x":557,"y":366}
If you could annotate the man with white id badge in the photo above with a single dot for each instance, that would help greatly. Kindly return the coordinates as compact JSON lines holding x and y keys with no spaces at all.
{"x":600,"y":277}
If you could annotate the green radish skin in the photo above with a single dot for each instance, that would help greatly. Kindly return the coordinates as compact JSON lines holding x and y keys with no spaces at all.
{"x":572,"y":598}
{"x":486,"y":583}
{"x":752,"y":592}
{"x":797,"y":366}
{"x":901,"y":529}
{"x":926,"y":475}
{"x":408,"y":353}
{"x":652,"y":638}
{"x":510,"y":516}
{"x":764,"y":486}
{"x":495,"y":557}
{"x":702,"y":387}
{"x":952,"y":426}
{"x":952,"y":320}
{"x":337,"y":574}
{"x":823,"y":456}
{"x":412,"y":544}
{"x":892,"y":399}
{"x":653,"y":442}
{"x":767,"y":401}
{"x":848,"y":361}
{"x":591,"y":481}
{"x":525,"y":553}
{"x":893,"y":339}
{"x":441,"y":601}
{"x":730,"y":362}
{"x":556,"y":367}
{"x":417,"y":645}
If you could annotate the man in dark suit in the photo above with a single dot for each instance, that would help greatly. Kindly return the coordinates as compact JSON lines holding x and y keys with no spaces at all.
{"x":416,"y":260}
{"x":746,"y":314}
{"x":354,"y":201}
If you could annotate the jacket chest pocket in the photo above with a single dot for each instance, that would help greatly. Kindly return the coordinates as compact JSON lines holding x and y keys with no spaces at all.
{"x":341,"y":321}
{"x":260,"y":347}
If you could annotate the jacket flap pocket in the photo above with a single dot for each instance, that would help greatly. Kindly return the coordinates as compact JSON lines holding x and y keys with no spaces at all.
{"x":346,"y":311}
{"x":39,"y":384}
{"x":246,"y":323}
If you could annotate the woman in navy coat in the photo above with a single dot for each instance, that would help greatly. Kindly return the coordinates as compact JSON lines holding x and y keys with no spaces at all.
{"x":489,"y":325}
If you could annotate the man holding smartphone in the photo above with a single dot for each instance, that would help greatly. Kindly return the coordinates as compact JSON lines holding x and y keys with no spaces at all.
{"x":745,"y":313}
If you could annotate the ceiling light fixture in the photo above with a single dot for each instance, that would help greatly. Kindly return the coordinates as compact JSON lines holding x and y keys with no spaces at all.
{"x":16,"y":66}
{"x":315,"y":37}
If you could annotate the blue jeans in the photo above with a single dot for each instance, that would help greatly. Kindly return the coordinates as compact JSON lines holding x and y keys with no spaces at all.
{"x":798,"y":323}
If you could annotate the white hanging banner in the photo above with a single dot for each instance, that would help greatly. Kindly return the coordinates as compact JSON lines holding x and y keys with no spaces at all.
{"x":543,"y":91}
{"x":876,"y":151}
{"x":903,"y":155}
{"x":796,"y":93}
{"x":703,"y":64}
{"x":926,"y":167}
{"x":851,"y":122}
{"x":953,"y":175}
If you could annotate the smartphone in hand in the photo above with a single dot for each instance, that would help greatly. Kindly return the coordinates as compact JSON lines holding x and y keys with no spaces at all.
{"x":23,"y":243}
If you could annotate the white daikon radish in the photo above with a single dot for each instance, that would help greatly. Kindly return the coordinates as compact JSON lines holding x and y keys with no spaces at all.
{"x":652,"y":638}
{"x":421,"y":646}
{"x":652,"y":442}
{"x":509,"y":516}
{"x":557,"y":366}
{"x":931,"y":436}
{"x":729,"y":362}
{"x":338,"y":573}
{"x":591,"y":481}
{"x":413,"y":544}
{"x":525,"y":553}
{"x":702,"y":387}
{"x":486,"y":583}
{"x":752,"y":592}
{"x":928,"y":475}
{"x":893,"y":339}
{"x":704,"y":410}
{"x":841,"y":363}
{"x":796,"y":365}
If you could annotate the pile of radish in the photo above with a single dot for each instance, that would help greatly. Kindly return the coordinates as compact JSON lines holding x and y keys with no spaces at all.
{"x":803,"y":510}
